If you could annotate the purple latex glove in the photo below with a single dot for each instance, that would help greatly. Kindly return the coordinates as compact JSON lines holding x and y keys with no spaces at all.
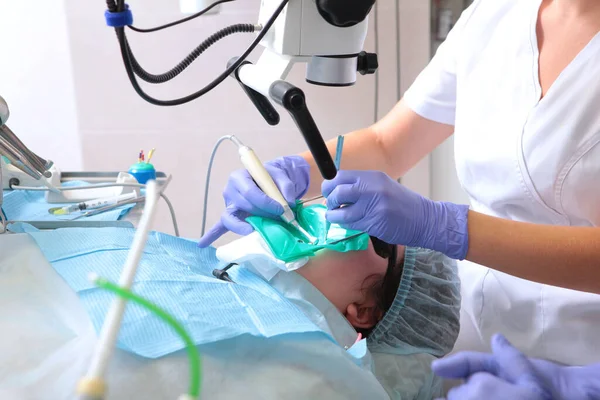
{"x":372,"y":202}
{"x":243,"y":197}
{"x":509,"y":374}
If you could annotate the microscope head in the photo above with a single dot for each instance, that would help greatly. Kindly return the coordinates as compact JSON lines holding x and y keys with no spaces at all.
{"x":329,"y":35}
{"x":344,"y":13}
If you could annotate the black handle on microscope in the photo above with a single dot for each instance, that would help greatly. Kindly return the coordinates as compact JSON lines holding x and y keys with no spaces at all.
{"x":264,"y":106}
{"x":292,"y":99}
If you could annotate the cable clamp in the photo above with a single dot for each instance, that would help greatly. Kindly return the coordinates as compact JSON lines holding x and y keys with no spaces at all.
{"x":119,"y":19}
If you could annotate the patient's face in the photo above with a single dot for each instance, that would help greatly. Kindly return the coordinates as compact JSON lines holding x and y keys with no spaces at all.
{"x":345,"y":279}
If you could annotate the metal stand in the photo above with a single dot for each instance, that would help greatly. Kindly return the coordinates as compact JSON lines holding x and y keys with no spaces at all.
{"x":92,"y":177}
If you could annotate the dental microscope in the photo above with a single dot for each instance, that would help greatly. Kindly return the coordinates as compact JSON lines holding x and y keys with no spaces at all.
{"x":327,"y":35}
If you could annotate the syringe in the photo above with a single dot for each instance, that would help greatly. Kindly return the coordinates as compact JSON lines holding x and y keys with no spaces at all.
{"x":265,"y":182}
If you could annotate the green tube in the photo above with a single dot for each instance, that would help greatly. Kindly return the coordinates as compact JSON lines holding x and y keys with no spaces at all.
{"x":194,"y":356}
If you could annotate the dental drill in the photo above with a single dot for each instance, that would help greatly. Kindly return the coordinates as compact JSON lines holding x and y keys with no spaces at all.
{"x":265,"y":182}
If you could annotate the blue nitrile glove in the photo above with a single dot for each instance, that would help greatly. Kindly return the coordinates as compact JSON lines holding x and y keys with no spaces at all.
{"x":375,"y":203}
{"x":508,"y":374}
{"x":243,"y":197}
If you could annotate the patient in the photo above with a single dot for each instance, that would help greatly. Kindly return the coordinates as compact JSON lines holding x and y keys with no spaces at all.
{"x":404,"y":300}
{"x":362,"y":285}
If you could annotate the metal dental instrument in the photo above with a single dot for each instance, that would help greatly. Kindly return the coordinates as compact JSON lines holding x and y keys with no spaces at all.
{"x":19,"y":155}
{"x":338,"y":162}
{"x":310,"y":200}
{"x":266,"y":184}
{"x":338,"y":152}
{"x":347,"y":238}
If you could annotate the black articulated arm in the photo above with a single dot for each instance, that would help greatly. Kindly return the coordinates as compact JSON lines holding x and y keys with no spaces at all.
{"x":264,"y":106}
{"x":292,"y":99}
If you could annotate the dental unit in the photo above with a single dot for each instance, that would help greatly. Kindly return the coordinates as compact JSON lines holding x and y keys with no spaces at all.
{"x":24,"y":171}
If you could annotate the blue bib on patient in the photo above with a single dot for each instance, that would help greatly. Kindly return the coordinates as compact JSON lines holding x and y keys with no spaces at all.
{"x":176,"y":275}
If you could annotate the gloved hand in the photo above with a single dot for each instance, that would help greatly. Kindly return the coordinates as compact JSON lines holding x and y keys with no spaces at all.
{"x":372,"y":202}
{"x":508,"y":374}
{"x":243,"y":197}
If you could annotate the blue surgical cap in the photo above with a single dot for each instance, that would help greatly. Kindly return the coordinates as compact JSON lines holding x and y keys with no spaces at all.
{"x":425,"y":314}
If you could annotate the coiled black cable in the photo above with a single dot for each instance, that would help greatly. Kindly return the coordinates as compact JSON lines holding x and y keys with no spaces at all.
{"x":111,"y":5}
{"x":179,"y":68}
{"x":180,"y":21}
{"x":174,"y":102}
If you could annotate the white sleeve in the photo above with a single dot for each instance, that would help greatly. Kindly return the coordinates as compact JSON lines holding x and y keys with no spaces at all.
{"x":433,"y":93}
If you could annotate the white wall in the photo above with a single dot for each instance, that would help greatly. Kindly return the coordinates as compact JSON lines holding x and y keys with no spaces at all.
{"x":36,"y":79}
{"x":112,"y":123}
{"x":414,"y":55}
{"x":444,"y":180}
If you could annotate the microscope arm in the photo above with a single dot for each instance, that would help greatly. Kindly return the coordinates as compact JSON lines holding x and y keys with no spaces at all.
{"x":292,"y":99}
{"x":264,"y":82}
{"x":327,"y":35}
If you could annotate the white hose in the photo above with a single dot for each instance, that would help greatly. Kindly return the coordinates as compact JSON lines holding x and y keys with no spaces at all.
{"x":208,"y":173}
{"x":110,"y":329}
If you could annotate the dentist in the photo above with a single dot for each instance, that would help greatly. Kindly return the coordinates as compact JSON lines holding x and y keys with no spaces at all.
{"x":518,"y":84}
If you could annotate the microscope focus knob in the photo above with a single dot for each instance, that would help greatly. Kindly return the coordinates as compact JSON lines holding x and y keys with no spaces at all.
{"x":367,"y":63}
{"x":4,"y":113}
{"x":344,"y":13}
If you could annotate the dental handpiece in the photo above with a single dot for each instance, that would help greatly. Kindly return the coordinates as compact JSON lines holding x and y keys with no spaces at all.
{"x":265,"y":182}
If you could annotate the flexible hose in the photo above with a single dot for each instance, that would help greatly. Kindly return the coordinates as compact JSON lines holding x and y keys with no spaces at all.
{"x":172,"y":212}
{"x":179,"y":68}
{"x":194,"y":357}
{"x":208,"y":173}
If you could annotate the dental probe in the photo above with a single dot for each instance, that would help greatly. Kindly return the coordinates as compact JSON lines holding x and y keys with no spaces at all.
{"x":310,"y":200}
{"x":265,"y":182}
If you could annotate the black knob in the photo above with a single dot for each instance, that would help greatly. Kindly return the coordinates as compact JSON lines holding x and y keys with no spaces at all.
{"x":367,"y":63}
{"x":344,"y":13}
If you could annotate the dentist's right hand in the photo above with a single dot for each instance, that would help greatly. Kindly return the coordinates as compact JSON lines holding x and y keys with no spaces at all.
{"x":243,"y":197}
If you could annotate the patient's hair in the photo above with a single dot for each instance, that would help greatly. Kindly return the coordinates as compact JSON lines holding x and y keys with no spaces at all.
{"x":384,"y":289}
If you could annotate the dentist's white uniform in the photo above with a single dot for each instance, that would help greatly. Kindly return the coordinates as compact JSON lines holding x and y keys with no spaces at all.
{"x":519,"y":158}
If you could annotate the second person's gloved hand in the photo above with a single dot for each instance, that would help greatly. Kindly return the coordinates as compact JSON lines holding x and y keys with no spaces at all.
{"x":372,"y":202}
{"x":509,"y":374}
{"x":505,"y":374}
{"x":243,"y":197}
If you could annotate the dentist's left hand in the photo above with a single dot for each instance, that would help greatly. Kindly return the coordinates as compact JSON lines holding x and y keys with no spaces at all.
{"x":372,"y":202}
{"x":243,"y":197}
